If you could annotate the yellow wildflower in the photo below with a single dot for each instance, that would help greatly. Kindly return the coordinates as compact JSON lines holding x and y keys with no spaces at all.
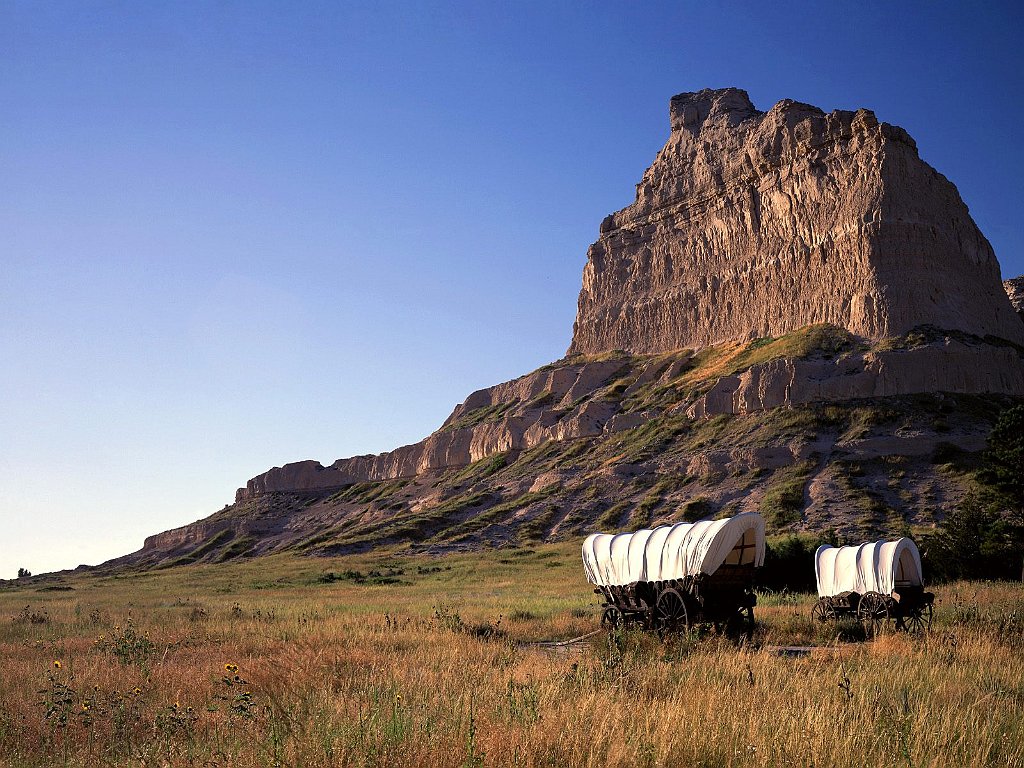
{"x":57,"y":664}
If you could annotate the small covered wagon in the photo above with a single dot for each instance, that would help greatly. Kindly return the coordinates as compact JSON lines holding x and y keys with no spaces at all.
{"x":676,"y":575}
{"x":875,"y":583}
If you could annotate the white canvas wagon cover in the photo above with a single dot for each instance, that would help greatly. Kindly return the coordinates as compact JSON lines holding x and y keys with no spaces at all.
{"x":876,"y":567}
{"x":673,"y":551}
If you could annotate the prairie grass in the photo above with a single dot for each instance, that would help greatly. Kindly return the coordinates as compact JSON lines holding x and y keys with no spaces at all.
{"x":269,"y":662}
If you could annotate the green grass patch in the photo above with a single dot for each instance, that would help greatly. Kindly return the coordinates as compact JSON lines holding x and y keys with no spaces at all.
{"x":484,"y":414}
{"x":611,"y":518}
{"x":783,"y":501}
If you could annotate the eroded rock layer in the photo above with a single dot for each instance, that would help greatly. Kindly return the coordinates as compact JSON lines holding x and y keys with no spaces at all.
{"x":575,"y":399}
{"x":753,"y":224}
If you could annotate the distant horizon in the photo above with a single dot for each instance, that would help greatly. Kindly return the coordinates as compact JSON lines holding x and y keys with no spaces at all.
{"x":238,"y":238}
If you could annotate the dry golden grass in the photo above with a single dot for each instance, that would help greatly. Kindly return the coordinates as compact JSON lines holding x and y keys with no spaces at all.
{"x":424,"y":673}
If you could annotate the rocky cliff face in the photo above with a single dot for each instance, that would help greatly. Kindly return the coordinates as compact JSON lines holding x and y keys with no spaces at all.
{"x":554,"y":403}
{"x":753,"y":224}
{"x":804,"y":279}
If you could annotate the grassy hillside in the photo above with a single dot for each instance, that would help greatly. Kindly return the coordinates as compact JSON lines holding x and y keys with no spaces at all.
{"x":824,"y":468}
{"x":384,"y":660}
{"x":850,"y":470}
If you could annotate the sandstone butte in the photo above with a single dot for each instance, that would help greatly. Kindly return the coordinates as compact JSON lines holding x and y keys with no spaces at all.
{"x":753,"y":224}
{"x":749,"y":225}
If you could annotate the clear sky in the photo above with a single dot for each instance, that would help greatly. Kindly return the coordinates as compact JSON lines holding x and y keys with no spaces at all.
{"x":238,"y":234}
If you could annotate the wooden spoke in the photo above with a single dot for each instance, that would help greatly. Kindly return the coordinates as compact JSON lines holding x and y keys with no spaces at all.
{"x":919,"y":620}
{"x":873,"y":612}
{"x":670,"y":610}
{"x":822,"y":611}
{"x":611,"y":618}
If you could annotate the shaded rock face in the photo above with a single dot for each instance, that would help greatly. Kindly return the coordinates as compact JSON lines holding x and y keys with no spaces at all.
{"x":753,"y":224}
{"x":951,"y":366}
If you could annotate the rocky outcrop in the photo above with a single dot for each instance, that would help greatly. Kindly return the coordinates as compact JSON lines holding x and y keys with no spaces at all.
{"x":576,"y":400}
{"x":1015,"y":292}
{"x":544,"y":405}
{"x":752,"y":224}
{"x":952,"y":367}
{"x":772,"y":262}
{"x":748,"y":225}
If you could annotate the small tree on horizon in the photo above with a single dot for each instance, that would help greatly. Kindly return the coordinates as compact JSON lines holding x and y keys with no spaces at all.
{"x":24,"y":573}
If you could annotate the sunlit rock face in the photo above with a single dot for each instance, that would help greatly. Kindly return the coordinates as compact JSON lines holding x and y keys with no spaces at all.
{"x":753,"y":224}
{"x":1014,"y":288}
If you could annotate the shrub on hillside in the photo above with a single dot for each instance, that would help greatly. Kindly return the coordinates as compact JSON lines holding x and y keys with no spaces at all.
{"x":980,"y":539}
{"x":789,"y":564}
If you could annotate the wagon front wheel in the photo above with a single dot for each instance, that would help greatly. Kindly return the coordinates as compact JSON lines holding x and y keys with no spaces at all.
{"x":822,"y":611}
{"x":670,"y":610}
{"x":919,"y":620}
{"x":611,"y":618}
{"x":872,"y":612}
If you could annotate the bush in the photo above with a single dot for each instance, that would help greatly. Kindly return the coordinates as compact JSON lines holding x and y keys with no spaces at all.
{"x":783,"y":502}
{"x":697,"y":509}
{"x":979,"y":539}
{"x":1004,"y":458}
{"x":983,"y":537}
{"x":789,"y":564}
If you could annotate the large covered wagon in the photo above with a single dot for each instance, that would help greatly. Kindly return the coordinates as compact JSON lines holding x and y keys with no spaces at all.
{"x":676,"y":575}
{"x":876,"y":583}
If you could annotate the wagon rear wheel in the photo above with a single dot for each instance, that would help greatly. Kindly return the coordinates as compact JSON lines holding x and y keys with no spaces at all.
{"x":611,"y":618}
{"x":822,"y":611}
{"x":919,"y":620}
{"x":670,"y":610}
{"x":873,"y":612}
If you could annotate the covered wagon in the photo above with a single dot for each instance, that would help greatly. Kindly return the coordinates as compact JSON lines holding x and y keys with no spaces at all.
{"x":675,"y":575}
{"x":875,"y":582}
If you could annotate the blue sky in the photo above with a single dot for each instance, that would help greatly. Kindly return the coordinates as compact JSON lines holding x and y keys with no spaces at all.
{"x":234,"y":235}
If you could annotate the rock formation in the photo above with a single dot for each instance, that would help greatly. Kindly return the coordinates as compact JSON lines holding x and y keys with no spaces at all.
{"x":1015,"y":291}
{"x":805,"y":277}
{"x":752,"y":224}
{"x":749,"y":224}
{"x":539,"y":407}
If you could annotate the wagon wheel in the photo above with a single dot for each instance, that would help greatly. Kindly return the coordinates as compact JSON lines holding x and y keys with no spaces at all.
{"x":872,"y":612}
{"x":919,"y":620}
{"x":670,"y":610}
{"x":611,"y":618}
{"x":822,"y":611}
